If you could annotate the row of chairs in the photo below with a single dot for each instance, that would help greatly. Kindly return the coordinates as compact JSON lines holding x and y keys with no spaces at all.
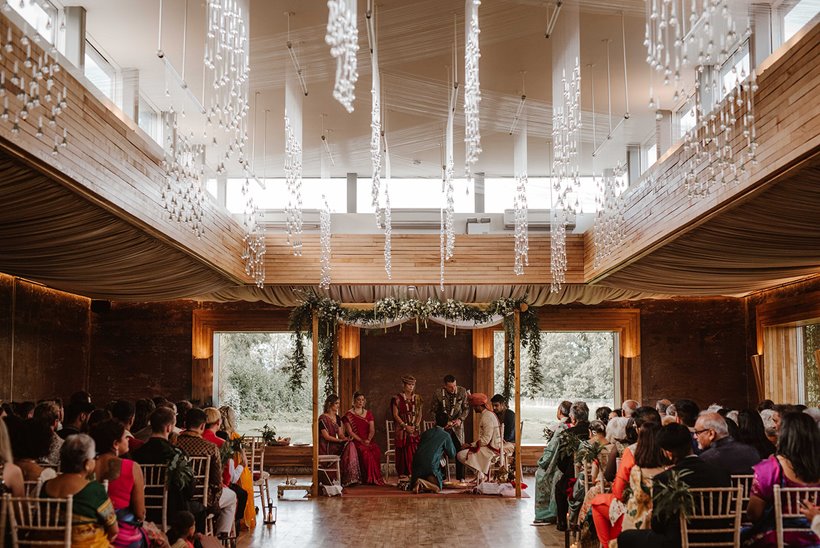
{"x":50,"y":518}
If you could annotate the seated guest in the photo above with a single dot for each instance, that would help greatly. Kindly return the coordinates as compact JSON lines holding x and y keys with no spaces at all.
{"x":686,"y":413}
{"x":505,"y":416}
{"x":94,"y":522}
{"x":126,"y":486}
{"x":769,"y":425}
{"x":333,"y":440}
{"x":579,"y":419}
{"x":629,"y":407}
{"x":547,"y":473}
{"x":719,"y":449}
{"x":245,"y":477}
{"x":629,"y":505}
{"x":96,"y":417}
{"x":183,"y":530}
{"x":477,"y":455}
{"x":213,"y":421}
{"x":765,"y":404}
{"x":427,"y":463}
{"x":661,"y":406}
{"x":142,"y":410}
{"x":24,"y":410}
{"x":80,"y":397}
{"x":158,"y":450}
{"x":812,"y":513}
{"x":76,"y":417}
{"x":361,"y":426}
{"x":675,"y":441}
{"x":31,"y":441}
{"x":451,"y":400}
{"x":602,"y":414}
{"x":124,"y":411}
{"x":221,"y":501}
{"x":795,"y":464}
{"x":48,"y":412}
{"x":11,"y":477}
{"x":183,"y":406}
{"x":597,"y":436}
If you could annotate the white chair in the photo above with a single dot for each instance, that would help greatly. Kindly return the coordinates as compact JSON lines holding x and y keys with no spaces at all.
{"x":787,"y":504}
{"x":390,"y":454}
{"x":31,"y":488}
{"x":156,"y":490}
{"x":713,"y":504}
{"x":427,"y":425}
{"x":255,"y":453}
{"x":328,"y":464}
{"x":46,"y":519}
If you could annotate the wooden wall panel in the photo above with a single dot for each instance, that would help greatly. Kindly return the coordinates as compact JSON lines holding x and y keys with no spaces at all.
{"x":359,"y":259}
{"x":788,"y":132}
{"x":112,"y":163}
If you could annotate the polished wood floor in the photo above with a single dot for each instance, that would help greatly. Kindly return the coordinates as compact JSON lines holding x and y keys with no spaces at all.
{"x":403,"y":521}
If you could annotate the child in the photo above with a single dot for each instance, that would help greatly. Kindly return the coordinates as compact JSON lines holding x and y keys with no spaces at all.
{"x":182,"y":532}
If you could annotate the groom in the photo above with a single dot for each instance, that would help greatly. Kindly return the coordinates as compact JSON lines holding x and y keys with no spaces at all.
{"x":451,"y":400}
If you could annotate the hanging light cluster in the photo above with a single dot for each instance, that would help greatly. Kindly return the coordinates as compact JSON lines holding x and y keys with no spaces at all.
{"x":183,"y":197}
{"x":35,"y":89}
{"x":253,"y":250}
{"x":472,"y":89}
{"x":293,"y":182}
{"x":566,"y":132}
{"x":609,"y":217}
{"x":343,"y":38}
{"x":522,"y":240}
{"x":226,"y":59}
{"x":712,"y":141}
{"x":324,"y":242}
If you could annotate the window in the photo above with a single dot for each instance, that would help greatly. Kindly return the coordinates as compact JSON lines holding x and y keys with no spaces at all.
{"x":808,"y":344}
{"x":580,"y":366}
{"x":40,"y":14}
{"x":275,"y":196}
{"x":651,"y":153}
{"x":499,"y":194}
{"x":415,"y":194}
{"x":99,"y":71}
{"x":734,"y":70}
{"x":686,"y":117}
{"x":252,"y":377}
{"x":212,"y":188}
{"x":800,"y":14}
{"x":150,"y":121}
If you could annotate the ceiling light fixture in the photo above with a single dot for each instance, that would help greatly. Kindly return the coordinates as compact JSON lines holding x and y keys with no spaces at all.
{"x":472,"y":89}
{"x":343,"y":38}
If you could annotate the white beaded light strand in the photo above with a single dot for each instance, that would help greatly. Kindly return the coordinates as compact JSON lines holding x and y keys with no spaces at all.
{"x":324,"y":242}
{"x":472,"y":88}
{"x":343,"y":38}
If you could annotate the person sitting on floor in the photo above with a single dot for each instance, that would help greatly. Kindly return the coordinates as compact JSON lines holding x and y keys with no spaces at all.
{"x":676,"y":444}
{"x":718,"y":447}
{"x":94,"y":521}
{"x":220,"y":501}
{"x":427,"y":462}
{"x":479,"y":454}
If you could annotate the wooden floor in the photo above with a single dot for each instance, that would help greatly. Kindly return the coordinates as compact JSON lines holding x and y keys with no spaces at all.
{"x":403,"y":521}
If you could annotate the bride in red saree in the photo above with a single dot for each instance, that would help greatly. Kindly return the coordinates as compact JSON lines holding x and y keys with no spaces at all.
{"x":361,"y":425}
{"x":333,"y":440}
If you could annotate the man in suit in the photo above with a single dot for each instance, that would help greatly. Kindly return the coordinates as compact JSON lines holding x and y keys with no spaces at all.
{"x":676,"y":442}
{"x":720,"y":449}
{"x":451,"y":400}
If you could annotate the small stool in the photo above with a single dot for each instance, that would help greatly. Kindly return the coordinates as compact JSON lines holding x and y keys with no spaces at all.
{"x":282,"y":487}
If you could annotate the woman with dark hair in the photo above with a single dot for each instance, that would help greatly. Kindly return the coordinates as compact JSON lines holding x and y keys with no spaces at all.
{"x":751,"y":432}
{"x":333,"y":440}
{"x":795,"y":464}
{"x":362,"y":427}
{"x":31,"y":441}
{"x":126,"y":486}
{"x":629,"y":505}
{"x":602,"y":414}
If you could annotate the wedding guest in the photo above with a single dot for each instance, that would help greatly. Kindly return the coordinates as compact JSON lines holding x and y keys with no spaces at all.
{"x":76,"y":419}
{"x":579,"y":430}
{"x":662,"y":405}
{"x":505,"y":416}
{"x":765,"y":404}
{"x":795,"y":464}
{"x":124,"y":411}
{"x":213,"y":421}
{"x":406,"y":408}
{"x":719,"y":449}
{"x":686,"y":413}
{"x":451,"y":400}
{"x":769,"y":425}
{"x":361,"y":426}
{"x":602,"y":414}
{"x":97,"y":416}
{"x":427,"y":463}
{"x":126,"y":485}
{"x":333,"y":440}
{"x":183,"y":406}
{"x":240,"y":460}
{"x":80,"y":397}
{"x":183,"y":530}
{"x":547,"y":473}
{"x":94,"y":521}
{"x":11,"y":477}
{"x":142,"y":410}
{"x":31,"y":442}
{"x":477,"y":455}
{"x":629,"y":407}
{"x":48,"y":412}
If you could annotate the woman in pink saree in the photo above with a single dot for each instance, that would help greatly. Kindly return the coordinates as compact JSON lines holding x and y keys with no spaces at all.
{"x":333,"y":440}
{"x":362,"y":427}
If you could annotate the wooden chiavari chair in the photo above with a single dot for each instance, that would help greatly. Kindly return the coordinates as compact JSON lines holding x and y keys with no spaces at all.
{"x":35,"y":521}
{"x":718,"y":511}
{"x":156,"y":491}
{"x":390,"y":454}
{"x":255,"y":454}
{"x":787,"y":504}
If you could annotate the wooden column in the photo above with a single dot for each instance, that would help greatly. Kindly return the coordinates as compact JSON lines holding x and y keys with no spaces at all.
{"x":349,"y":344}
{"x":315,"y":488}
{"x":517,"y":346}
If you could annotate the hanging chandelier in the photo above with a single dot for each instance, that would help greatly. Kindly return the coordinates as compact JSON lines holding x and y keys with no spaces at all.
{"x":343,"y":38}
{"x":522,"y":241}
{"x":324,"y":242}
{"x":472,"y":89}
{"x":253,"y":248}
{"x":183,"y":197}
{"x":609,"y":217}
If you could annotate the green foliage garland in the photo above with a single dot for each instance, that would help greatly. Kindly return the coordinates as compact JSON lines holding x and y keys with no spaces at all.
{"x":330,"y":313}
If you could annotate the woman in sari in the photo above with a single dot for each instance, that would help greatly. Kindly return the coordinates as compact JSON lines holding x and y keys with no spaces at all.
{"x":796,"y":463}
{"x":333,"y":440}
{"x":94,"y":522}
{"x":126,"y":486}
{"x":239,"y":458}
{"x":406,"y":409}
{"x":362,"y":427}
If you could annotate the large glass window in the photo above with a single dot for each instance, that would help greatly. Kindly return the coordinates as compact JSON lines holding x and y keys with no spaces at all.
{"x":809,"y":345}
{"x":252,"y":374}
{"x":99,"y":71}
{"x":416,"y":194}
{"x":499,"y":194}
{"x":275,"y":195}
{"x":150,"y":120}
{"x":735,"y":69}
{"x":686,"y":117}
{"x":40,"y":14}
{"x":575,"y":366}
{"x":800,"y":14}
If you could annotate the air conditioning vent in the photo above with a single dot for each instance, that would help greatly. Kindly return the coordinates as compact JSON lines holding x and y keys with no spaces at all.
{"x":415,"y":218}
{"x":537,"y":219}
{"x":276,"y":218}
